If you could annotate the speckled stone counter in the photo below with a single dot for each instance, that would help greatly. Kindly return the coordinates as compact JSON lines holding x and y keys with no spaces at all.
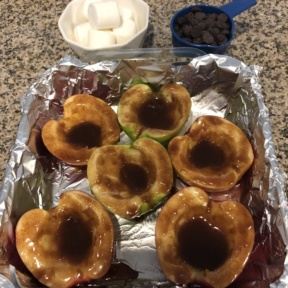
{"x":32,"y":43}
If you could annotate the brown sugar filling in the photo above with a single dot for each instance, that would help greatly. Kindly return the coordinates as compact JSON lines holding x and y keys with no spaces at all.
{"x":156,"y":113}
{"x":74,"y":238}
{"x":202,"y":245}
{"x":135,"y":177}
{"x":85,"y":134}
{"x":207,"y":154}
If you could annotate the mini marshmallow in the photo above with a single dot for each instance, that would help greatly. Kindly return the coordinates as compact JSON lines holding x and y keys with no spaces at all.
{"x":125,"y":13}
{"x":85,"y":6}
{"x":125,"y":31}
{"x":100,"y":38}
{"x":81,"y":33}
{"x":104,"y":15}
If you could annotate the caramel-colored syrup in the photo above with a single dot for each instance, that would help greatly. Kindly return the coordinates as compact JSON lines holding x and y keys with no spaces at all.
{"x":207,"y":154}
{"x":85,"y":134}
{"x":74,"y":238}
{"x":156,"y":113}
{"x":201,"y":245}
{"x":134,"y":176}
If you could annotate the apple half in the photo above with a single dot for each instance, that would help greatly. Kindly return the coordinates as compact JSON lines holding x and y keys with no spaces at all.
{"x":213,"y":155}
{"x":160,"y":115}
{"x":69,"y":244}
{"x":130,"y":179}
{"x":201,"y":241}
{"x":87,"y":122}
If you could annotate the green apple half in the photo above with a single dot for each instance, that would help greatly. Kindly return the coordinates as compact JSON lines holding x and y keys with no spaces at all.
{"x":160,"y":115}
{"x":201,"y":241}
{"x":68,"y":244}
{"x":130,"y":179}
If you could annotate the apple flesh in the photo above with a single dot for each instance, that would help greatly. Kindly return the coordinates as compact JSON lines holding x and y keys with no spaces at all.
{"x":160,"y":115}
{"x":213,"y":155}
{"x":201,"y":241}
{"x":88,"y":122}
{"x":130,"y":179}
{"x":68,"y":244}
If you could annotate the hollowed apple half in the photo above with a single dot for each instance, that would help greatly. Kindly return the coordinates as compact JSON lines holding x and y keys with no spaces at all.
{"x":201,"y":241}
{"x":68,"y":244}
{"x":130,"y":179}
{"x":213,"y":155}
{"x":87,"y":122}
{"x":160,"y":115}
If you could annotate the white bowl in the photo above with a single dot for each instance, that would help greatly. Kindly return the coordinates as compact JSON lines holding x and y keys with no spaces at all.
{"x":71,"y":17}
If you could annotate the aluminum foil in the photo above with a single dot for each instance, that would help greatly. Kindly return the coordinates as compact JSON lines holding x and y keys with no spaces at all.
{"x":219,"y":85}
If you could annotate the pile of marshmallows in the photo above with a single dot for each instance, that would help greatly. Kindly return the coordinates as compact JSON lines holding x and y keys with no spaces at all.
{"x":105,"y":24}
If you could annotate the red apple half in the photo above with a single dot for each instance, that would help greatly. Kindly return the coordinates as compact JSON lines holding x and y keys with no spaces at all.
{"x":68,"y":244}
{"x":201,"y":241}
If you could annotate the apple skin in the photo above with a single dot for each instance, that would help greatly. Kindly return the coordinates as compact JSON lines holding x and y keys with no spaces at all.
{"x":231,"y":218}
{"x":104,"y":169}
{"x":45,"y":240}
{"x":232,"y":141}
{"x":173,"y":95}
{"x":81,"y":109}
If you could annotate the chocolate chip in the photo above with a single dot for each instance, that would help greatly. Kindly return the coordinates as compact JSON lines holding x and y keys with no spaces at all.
{"x":221,"y":39}
{"x":221,"y":25}
{"x":213,"y":15}
{"x":194,"y":22}
{"x":222,"y":17}
{"x":200,"y":15}
{"x":187,"y":30}
{"x":207,"y":37}
{"x":202,"y":25}
{"x":190,"y":16}
{"x":196,"y":31}
{"x":210,"y":22}
{"x":214,"y":31}
{"x":181,"y":20}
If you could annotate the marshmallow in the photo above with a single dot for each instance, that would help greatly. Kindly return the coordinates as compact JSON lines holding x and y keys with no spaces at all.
{"x":104,"y":15}
{"x":100,"y":38}
{"x":81,"y":32}
{"x":125,"y":31}
{"x":85,"y":5}
{"x":125,"y":13}
{"x":77,"y":16}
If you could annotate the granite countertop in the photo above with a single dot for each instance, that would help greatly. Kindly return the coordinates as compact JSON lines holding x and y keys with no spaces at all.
{"x":32,"y":43}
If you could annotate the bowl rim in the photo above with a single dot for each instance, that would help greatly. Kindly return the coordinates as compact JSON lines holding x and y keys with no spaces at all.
{"x":76,"y":44}
{"x":199,"y":46}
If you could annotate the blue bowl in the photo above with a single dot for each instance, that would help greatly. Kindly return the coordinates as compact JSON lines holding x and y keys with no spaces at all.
{"x":231,"y":10}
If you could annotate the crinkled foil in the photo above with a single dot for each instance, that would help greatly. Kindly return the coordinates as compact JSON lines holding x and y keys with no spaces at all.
{"x":219,"y":85}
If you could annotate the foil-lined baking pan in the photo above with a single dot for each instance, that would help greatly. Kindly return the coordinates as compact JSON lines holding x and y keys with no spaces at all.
{"x":219,"y":85}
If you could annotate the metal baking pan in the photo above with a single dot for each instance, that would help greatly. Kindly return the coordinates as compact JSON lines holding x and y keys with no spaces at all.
{"x":219,"y":85}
